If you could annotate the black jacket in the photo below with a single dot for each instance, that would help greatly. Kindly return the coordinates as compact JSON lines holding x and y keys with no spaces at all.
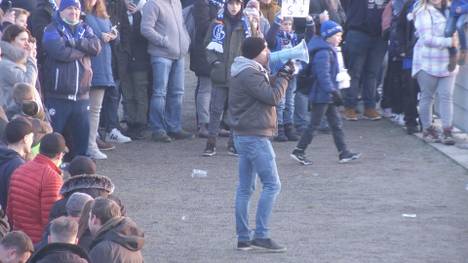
{"x":364,"y":15}
{"x":37,"y":22}
{"x":9,"y":161}
{"x":60,"y":252}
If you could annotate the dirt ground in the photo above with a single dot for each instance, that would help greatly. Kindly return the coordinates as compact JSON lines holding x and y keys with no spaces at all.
{"x":327,"y":212}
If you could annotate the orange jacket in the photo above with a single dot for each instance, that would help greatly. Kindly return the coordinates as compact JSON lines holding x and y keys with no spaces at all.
{"x":34,"y":188}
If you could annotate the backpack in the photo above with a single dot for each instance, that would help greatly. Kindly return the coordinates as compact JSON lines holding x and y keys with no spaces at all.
{"x":189,"y":21}
{"x":305,"y":78}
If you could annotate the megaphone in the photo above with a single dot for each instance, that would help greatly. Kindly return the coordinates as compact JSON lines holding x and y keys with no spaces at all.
{"x":279,"y":58}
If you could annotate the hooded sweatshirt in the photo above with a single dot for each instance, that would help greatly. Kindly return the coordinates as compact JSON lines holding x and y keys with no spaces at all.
{"x":252,"y":99}
{"x":9,"y":161}
{"x":118,"y":241}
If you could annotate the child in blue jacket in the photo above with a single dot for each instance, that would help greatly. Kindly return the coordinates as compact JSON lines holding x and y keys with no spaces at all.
{"x":324,"y":96}
{"x":457,"y":21}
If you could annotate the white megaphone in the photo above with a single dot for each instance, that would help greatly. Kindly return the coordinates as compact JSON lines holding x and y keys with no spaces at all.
{"x":279,"y":58}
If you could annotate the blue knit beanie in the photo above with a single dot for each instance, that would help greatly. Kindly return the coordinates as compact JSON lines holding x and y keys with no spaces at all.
{"x":329,"y":28}
{"x":64,"y":4}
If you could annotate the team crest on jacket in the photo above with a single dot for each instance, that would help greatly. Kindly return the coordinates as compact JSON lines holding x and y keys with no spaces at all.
{"x":51,"y":111}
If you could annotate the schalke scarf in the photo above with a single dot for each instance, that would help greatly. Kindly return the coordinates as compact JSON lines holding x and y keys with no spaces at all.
{"x":218,"y":33}
{"x":286,"y":40}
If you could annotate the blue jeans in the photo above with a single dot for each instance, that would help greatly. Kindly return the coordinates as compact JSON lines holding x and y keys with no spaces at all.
{"x":301,"y":111}
{"x":168,"y":91}
{"x":73,"y":115}
{"x":256,"y":157}
{"x":365,"y":55}
{"x":285,"y":109}
{"x":457,"y":23}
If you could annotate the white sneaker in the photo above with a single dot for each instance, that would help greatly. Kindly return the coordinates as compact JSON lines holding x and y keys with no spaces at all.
{"x":399,"y":119}
{"x":116,"y":136}
{"x":96,"y":154}
{"x":387,"y":113}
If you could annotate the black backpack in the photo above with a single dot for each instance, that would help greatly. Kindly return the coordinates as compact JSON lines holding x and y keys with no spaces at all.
{"x":305,"y":77}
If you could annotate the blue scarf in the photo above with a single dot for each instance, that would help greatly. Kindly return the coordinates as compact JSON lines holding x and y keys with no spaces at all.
{"x":286,"y":40}
{"x":218,"y":33}
{"x":217,"y":3}
{"x":67,"y":32}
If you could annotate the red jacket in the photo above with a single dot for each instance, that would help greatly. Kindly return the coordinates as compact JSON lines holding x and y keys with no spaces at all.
{"x":34,"y":188}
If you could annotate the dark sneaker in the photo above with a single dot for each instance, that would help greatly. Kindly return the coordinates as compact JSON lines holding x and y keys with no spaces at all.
{"x":181,"y":135}
{"x":161,"y":136}
{"x":291,"y":133}
{"x":267,"y":244}
{"x":299,"y":156}
{"x":412,"y":129}
{"x":244,"y":245}
{"x":232,"y":150}
{"x":203,"y":131}
{"x":447,"y":137}
{"x":281,"y":136}
{"x":346,"y":157}
{"x":210,"y":150}
{"x":431,"y":135}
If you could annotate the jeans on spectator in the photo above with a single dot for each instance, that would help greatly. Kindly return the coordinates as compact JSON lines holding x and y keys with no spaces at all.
{"x":135,"y":96}
{"x":301,"y":111}
{"x":457,"y":23}
{"x":285,"y":109}
{"x":256,"y":157}
{"x":168,"y":91}
{"x":318,"y":111}
{"x":364,"y":55}
{"x":110,"y":106}
{"x":202,"y":99}
{"x":75,"y":115}
{"x":219,"y":96}
{"x":429,"y":86}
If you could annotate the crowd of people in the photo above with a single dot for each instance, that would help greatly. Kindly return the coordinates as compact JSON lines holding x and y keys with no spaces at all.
{"x":67,"y":64}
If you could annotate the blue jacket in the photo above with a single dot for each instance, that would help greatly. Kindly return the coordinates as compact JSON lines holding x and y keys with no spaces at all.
{"x":324,"y":68}
{"x":459,"y":3}
{"x":102,"y":63}
{"x":9,"y":161}
{"x":67,"y":64}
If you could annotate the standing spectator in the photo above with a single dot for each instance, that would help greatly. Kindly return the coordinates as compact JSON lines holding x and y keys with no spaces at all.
{"x":98,"y":19}
{"x":62,"y":244}
{"x":18,"y":63}
{"x":430,"y":67}
{"x":457,"y":21}
{"x":34,"y":188}
{"x":269,"y":9}
{"x":116,"y":238}
{"x":252,"y":116}
{"x":69,"y":45}
{"x":132,"y":64}
{"x":18,"y":138}
{"x":16,"y":247}
{"x":203,"y":13}
{"x":264,"y":23}
{"x":324,"y":94}
{"x":224,"y":41}
{"x":365,"y":49}
{"x":332,"y":7}
{"x":163,"y":25}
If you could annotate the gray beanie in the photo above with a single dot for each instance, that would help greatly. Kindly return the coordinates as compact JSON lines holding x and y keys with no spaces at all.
{"x":76,"y":202}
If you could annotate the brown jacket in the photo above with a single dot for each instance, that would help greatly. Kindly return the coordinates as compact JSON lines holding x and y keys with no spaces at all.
{"x":270,"y":10}
{"x":252,"y":99}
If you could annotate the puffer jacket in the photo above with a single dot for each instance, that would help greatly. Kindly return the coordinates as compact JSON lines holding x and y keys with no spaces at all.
{"x":34,"y":188}
{"x":221,"y":62}
{"x":252,"y":99}
{"x":118,"y":241}
{"x":67,"y":66}
{"x":15,"y":67}
{"x":324,"y":67}
{"x":60,"y":252}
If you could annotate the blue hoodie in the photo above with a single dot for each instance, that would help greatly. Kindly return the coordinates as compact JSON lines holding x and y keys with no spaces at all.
{"x":324,"y":68}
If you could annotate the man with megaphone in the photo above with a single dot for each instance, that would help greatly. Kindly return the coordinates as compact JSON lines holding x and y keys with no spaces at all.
{"x":252,"y":117}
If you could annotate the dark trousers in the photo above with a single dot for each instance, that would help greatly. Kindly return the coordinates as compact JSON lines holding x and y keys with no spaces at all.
{"x":317,"y":112}
{"x":393,"y":87}
{"x":110,"y":105}
{"x":75,"y":116}
{"x":410,"y":97}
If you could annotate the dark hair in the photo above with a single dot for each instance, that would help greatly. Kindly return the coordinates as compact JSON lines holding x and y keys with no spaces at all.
{"x":64,"y":229}
{"x":19,"y":241}
{"x":12,"y":32}
{"x":105,"y":209}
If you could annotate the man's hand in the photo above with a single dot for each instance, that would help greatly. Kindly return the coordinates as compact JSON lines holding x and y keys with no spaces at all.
{"x":337,"y":99}
{"x":106,"y":37}
{"x":132,"y":8}
{"x":324,"y":16}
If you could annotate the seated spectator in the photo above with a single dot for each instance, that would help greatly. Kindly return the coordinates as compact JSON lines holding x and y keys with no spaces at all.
{"x":18,"y":63}
{"x":16,"y":247}
{"x":18,"y":138}
{"x":84,"y":180}
{"x":116,"y":238}
{"x":34,"y":188}
{"x":62,"y":244}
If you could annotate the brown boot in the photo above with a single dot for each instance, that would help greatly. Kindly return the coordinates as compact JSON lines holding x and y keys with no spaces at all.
{"x":104,"y":146}
{"x":371,"y":114}
{"x":350,"y":114}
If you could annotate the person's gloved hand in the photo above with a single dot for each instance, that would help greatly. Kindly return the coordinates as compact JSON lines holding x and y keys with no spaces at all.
{"x":337,"y":99}
{"x":287,"y":70}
